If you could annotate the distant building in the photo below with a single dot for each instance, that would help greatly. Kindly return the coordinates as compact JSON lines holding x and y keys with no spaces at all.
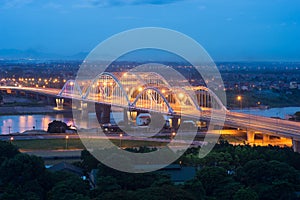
{"x":293,"y":85}
{"x":244,"y":88}
{"x":179,"y":174}
{"x":66,"y":167}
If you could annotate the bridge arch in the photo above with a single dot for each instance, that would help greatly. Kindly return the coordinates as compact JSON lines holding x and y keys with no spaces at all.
{"x":204,"y":101}
{"x":161,"y":104}
{"x":106,"y":88}
{"x":74,"y":88}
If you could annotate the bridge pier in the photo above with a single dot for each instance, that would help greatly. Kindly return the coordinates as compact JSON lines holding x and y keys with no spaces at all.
{"x":266,"y":138}
{"x":175,"y":122}
{"x":59,"y":103}
{"x":103,"y":113}
{"x":125,"y":116}
{"x":296,"y":146}
{"x":250,"y":136}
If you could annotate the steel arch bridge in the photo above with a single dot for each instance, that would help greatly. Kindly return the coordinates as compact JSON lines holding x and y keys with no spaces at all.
{"x":142,"y":90}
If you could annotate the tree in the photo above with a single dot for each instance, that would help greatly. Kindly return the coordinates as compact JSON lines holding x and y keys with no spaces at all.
{"x":21,"y":169}
{"x":107,"y":184}
{"x":212,"y":178}
{"x":57,"y":127}
{"x":71,"y":188}
{"x":7,"y":150}
{"x":245,"y":194}
{"x":23,"y":175}
{"x":89,"y":162}
{"x":196,"y":188}
{"x":162,"y":193}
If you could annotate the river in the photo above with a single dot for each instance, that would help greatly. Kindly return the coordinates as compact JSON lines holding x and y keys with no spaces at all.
{"x":21,"y":123}
{"x":272,"y":112}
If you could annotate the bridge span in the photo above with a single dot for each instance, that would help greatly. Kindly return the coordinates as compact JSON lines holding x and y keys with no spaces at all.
{"x":150,"y":92}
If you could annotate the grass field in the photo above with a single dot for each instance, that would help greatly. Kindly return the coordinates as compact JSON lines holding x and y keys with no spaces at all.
{"x":59,"y":144}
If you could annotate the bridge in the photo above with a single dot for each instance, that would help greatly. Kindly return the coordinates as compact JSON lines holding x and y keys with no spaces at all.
{"x":137,"y":92}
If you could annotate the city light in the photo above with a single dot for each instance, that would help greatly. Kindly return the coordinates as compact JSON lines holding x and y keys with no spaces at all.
{"x":180,"y":96}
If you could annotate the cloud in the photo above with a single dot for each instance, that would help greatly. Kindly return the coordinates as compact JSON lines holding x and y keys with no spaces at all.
{"x":108,"y":3}
{"x":6,"y":4}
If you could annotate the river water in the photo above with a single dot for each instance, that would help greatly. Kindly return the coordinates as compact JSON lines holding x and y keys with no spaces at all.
{"x":283,"y":112}
{"x":21,"y":123}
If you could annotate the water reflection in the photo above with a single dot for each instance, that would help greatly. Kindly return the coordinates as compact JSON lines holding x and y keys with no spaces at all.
{"x":21,"y":123}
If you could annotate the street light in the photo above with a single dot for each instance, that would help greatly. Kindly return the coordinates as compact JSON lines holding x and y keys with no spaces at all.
{"x":67,"y":137}
{"x":173,"y":134}
{"x":121,"y":135}
{"x":240,"y":99}
{"x":11,"y":139}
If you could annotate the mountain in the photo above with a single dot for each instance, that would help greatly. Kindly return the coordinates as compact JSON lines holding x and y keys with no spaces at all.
{"x":14,"y":54}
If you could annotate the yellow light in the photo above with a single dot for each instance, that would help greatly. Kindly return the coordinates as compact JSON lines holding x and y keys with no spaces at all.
{"x":140,"y":89}
{"x":44,"y":86}
{"x":163,"y":91}
{"x":65,"y":80}
{"x":121,"y":135}
{"x":71,"y":83}
{"x":37,"y":85}
{"x":40,"y":79}
{"x":67,"y":137}
{"x":11,"y":138}
{"x":239,"y":98}
{"x":180,"y":95}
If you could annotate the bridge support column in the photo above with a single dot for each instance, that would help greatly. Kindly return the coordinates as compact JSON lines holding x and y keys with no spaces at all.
{"x":125,"y":116}
{"x":266,"y":138}
{"x":250,"y":136}
{"x":175,"y":120}
{"x":59,"y":103}
{"x":84,"y":110}
{"x":103,"y":113}
{"x":296,"y":146}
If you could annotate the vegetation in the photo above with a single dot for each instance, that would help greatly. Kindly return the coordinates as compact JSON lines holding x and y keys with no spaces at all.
{"x":57,"y":127}
{"x":271,"y":98}
{"x":228,"y":172}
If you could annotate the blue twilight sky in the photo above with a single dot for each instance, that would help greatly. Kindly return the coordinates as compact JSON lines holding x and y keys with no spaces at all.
{"x":227,"y":29}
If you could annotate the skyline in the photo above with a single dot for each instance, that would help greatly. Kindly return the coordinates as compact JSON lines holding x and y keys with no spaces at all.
{"x":229,"y":31}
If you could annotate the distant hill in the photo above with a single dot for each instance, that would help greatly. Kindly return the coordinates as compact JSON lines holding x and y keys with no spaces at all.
{"x":12,"y":54}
